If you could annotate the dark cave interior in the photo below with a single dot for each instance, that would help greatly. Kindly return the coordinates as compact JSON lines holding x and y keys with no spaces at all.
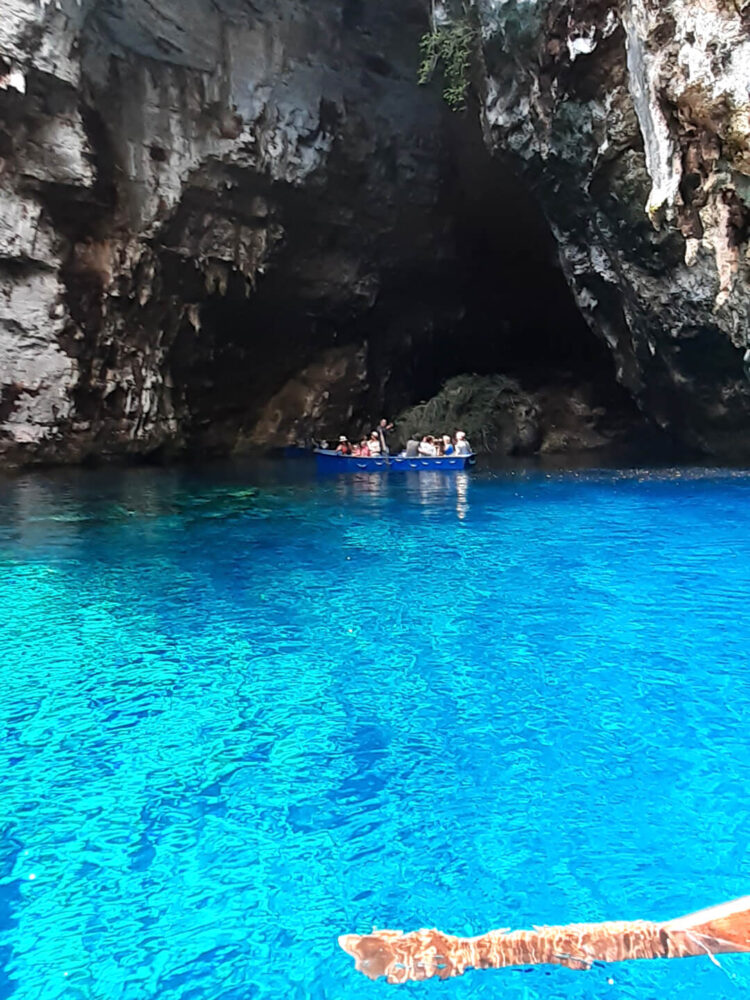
{"x":518,"y":316}
{"x":490,"y":299}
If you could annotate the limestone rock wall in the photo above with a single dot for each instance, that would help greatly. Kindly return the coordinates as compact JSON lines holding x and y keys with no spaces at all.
{"x":631,"y":121}
{"x":214,"y":210}
{"x":156,"y":160}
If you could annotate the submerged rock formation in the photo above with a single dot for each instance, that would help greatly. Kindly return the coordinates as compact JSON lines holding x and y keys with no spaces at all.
{"x":230,"y":223}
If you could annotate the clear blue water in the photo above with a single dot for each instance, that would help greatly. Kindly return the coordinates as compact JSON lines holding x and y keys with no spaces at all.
{"x":246,"y":711}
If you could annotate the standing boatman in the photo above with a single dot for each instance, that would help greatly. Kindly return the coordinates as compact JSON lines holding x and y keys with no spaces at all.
{"x":382,"y":430}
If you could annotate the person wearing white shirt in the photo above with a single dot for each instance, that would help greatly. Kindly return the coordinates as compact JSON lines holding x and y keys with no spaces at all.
{"x":462,"y":445}
{"x":427,"y":447}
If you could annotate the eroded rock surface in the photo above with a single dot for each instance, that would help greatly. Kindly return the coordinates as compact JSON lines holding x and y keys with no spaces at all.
{"x":215,"y":212}
{"x":502,"y":417}
{"x":631,"y":120}
{"x":200,"y":201}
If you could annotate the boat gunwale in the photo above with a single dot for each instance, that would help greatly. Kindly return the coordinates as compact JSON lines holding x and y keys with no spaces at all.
{"x":375,"y":463}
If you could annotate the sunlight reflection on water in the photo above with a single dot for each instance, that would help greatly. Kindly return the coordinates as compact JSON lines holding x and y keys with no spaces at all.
{"x":245,"y":712}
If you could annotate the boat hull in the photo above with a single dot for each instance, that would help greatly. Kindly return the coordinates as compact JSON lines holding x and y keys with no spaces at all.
{"x":332,"y":461}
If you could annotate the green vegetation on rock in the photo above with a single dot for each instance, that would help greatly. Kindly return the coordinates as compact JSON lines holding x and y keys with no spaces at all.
{"x":494,"y":411}
{"x":449,"y":47}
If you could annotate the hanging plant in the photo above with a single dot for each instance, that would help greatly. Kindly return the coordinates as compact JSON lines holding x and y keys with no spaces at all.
{"x":449,"y":47}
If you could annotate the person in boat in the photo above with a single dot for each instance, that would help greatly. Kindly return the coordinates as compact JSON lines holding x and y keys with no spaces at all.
{"x":448,"y":448}
{"x":427,"y":446}
{"x":364,"y":448}
{"x":374,"y":444}
{"x":462,"y":445}
{"x":412,"y":448}
{"x":344,"y":448}
{"x":382,"y":431}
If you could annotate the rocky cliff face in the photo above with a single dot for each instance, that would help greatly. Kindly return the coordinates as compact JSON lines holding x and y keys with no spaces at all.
{"x":631,"y":120}
{"x":224,"y":223}
{"x":199,"y":201}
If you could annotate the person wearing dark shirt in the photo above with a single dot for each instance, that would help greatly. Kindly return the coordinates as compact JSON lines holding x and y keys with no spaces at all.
{"x":382,"y":431}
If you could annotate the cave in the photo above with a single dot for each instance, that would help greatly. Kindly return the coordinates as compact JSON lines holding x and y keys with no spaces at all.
{"x":249,"y":226}
{"x":517,"y":315}
{"x":356,"y":316}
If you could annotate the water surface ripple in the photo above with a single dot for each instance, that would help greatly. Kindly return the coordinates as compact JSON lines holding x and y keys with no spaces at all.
{"x":244,"y":711}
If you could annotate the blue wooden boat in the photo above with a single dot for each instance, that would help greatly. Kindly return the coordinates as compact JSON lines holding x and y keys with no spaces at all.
{"x":332,"y":461}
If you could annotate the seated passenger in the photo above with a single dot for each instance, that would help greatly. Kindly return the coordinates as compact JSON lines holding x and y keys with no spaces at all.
{"x":344,"y":448}
{"x":462,"y":445}
{"x":364,"y":448}
{"x":374,"y":444}
{"x":427,"y":446}
{"x":448,"y":448}
{"x":412,"y":448}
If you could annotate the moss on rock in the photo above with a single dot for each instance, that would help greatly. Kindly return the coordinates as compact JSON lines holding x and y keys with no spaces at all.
{"x":494,"y":411}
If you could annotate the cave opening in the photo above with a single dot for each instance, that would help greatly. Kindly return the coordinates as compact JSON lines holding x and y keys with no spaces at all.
{"x":354,"y":318}
{"x":511,"y":310}
{"x":520,"y":315}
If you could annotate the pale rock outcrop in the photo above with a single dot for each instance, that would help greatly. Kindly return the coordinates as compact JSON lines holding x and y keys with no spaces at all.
{"x":631,"y":121}
{"x":38,"y":375}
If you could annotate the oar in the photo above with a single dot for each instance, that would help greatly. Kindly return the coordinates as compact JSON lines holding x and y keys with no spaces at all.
{"x":421,"y":954}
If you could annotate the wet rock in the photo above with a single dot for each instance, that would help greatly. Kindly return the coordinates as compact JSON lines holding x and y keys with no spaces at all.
{"x":315,"y":404}
{"x":493,"y":411}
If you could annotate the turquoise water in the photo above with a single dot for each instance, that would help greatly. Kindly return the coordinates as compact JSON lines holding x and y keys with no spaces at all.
{"x":246,"y":711}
